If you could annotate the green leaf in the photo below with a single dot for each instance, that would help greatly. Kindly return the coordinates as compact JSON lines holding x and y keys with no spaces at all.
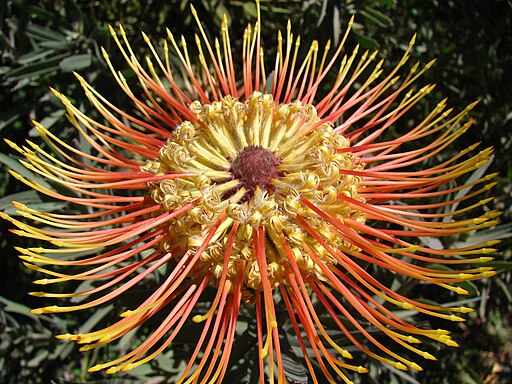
{"x":95,"y":319}
{"x":294,"y":369}
{"x":12,"y":306}
{"x":34,"y":56}
{"x":476,"y":175}
{"x":500,"y":265}
{"x":82,"y":287}
{"x":37,"y":68}
{"x":43,"y":207}
{"x":406,"y":378}
{"x":365,"y":41}
{"x":499,"y":233}
{"x":20,"y":169}
{"x":44,"y":33}
{"x":30,"y":198}
{"x":505,"y":288}
{"x":377,"y":17}
{"x":431,"y":242}
{"x":52,"y":118}
{"x":76,"y":62}
{"x":38,"y":359}
{"x":388,"y":3}
{"x":468,"y":286}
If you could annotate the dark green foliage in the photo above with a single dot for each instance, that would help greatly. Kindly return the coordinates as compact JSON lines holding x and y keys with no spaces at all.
{"x":43,"y":42}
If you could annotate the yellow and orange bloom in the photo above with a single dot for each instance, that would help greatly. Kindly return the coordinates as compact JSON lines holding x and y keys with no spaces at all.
{"x":270,"y":190}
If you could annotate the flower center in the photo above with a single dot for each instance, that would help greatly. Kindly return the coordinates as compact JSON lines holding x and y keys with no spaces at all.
{"x":255,"y":166}
{"x":259,"y":167}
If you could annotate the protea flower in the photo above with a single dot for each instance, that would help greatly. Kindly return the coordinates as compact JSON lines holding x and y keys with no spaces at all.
{"x":271,"y":191}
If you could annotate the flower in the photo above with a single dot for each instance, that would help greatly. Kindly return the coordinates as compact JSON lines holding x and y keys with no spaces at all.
{"x":274,"y":190}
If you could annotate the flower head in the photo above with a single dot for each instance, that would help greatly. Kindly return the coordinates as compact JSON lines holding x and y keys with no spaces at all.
{"x":274,"y":190}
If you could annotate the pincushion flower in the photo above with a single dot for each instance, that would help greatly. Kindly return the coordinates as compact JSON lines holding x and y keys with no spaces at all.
{"x":271,"y":191}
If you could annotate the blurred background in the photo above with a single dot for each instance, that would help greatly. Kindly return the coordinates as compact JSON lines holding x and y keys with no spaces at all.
{"x":43,"y":42}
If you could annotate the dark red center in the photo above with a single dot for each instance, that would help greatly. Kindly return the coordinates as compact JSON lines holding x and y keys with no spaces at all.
{"x":255,"y":166}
